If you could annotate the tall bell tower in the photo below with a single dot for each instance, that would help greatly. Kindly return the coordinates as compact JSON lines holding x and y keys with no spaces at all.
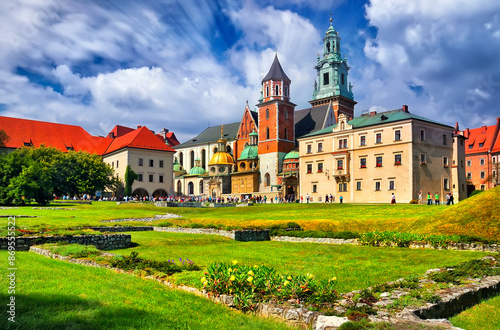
{"x":276,"y":125}
{"x":332,"y":84}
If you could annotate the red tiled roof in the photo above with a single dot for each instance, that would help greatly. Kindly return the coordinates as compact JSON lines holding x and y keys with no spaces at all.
{"x":480,"y":139}
{"x":141,"y":138}
{"x":119,"y":130}
{"x":23,"y":132}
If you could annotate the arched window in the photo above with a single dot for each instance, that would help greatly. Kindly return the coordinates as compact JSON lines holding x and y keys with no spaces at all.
{"x":190,"y":188}
{"x":204,"y":159}
{"x":286,"y":90}
{"x":179,"y":188}
{"x":181,"y":158}
{"x":267,"y":180}
{"x":267,"y":133}
{"x":215,"y":150}
{"x":327,"y":47}
{"x":267,"y":113}
{"x":201,"y":187}
{"x":277,"y":90}
{"x":191,"y":161}
{"x":228,"y":149}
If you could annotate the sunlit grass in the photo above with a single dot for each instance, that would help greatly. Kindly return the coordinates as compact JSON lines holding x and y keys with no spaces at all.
{"x":483,"y":316}
{"x":356,"y":267}
{"x":52,"y":294}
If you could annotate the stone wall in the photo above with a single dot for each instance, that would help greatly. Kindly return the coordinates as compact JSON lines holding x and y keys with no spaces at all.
{"x":313,"y":240}
{"x":102,"y":242}
{"x":237,"y":235}
{"x":116,"y":229}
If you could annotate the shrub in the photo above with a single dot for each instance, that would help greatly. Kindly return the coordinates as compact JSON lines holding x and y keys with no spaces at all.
{"x":134,"y":262}
{"x":475,"y":192}
{"x":413,"y":201}
{"x":251,"y":285}
{"x":164,"y":224}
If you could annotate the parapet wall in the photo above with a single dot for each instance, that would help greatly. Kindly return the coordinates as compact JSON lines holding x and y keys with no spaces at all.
{"x":102,"y":242}
{"x":237,"y":235}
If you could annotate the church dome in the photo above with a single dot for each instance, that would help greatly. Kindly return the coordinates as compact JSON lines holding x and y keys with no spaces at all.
{"x":221,"y":158}
{"x":294,"y":154}
{"x":197,"y":170}
{"x":178,"y":167}
{"x":250,"y":152}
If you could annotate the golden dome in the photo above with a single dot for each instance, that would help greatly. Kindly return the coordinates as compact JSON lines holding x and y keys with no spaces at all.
{"x":221,"y":158}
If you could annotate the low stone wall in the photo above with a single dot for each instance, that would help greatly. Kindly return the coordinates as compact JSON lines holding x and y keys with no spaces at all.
{"x":156,"y":217}
{"x":459,"y":246}
{"x":178,"y":204}
{"x":117,"y":229}
{"x":313,"y":240}
{"x":237,"y":235}
{"x":102,"y":242}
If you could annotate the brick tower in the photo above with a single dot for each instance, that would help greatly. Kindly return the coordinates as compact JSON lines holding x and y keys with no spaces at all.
{"x":276,"y":125}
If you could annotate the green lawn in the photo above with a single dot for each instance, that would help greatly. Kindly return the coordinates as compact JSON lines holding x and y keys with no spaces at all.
{"x":356,"y":267}
{"x":53,"y":294}
{"x":483,"y":316}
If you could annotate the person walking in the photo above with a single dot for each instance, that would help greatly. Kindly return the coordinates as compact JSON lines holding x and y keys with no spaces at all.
{"x":429,"y":198}
{"x":331,"y":198}
{"x":393,"y":199}
{"x":307,"y":197}
{"x":451,"y":199}
{"x":341,"y":199}
{"x":326,"y":198}
{"x":447,"y":199}
{"x":420,"y":198}
{"x":436,"y":199}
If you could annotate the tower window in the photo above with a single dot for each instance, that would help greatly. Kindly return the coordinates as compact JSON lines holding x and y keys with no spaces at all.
{"x":342,"y":79}
{"x":267,"y":133}
{"x":286,"y":90}
{"x":276,"y":90}
{"x":326,"y":78}
{"x":267,"y":180}
{"x":327,"y":47}
{"x":267,"y":113}
{"x":267,"y":91}
{"x":286,"y":133}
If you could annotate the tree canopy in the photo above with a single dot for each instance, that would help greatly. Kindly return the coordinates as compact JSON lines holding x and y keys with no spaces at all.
{"x":3,"y":138}
{"x":40,"y":173}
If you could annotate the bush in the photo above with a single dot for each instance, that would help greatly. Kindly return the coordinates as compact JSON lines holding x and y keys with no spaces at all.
{"x":475,"y":192}
{"x":134,"y":262}
{"x":251,"y":285}
{"x":164,"y":224}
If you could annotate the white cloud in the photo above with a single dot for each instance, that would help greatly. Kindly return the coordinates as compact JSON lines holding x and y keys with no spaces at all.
{"x":429,"y":54}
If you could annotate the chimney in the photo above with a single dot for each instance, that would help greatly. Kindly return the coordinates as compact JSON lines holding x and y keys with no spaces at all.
{"x":373,"y":113}
{"x":405,"y":108}
{"x":484,"y":128}
{"x":111,"y":135}
{"x":139,"y":126}
{"x":467,"y":133}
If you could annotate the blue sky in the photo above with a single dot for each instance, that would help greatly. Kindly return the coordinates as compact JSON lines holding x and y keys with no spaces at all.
{"x":185,"y":65}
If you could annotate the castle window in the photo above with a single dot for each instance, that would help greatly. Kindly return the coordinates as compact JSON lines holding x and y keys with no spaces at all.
{"x":309,"y":148}
{"x":320,"y":146}
{"x":362,"y":140}
{"x":161,"y":163}
{"x":267,"y":113}
{"x":422,"y":135}
{"x":267,"y":180}
{"x":378,"y":138}
{"x":397,"y":135}
{"x":267,"y":91}
{"x":276,"y":90}
{"x":151,"y":163}
{"x":286,"y":90}
{"x":286,"y":133}
{"x":204,"y":159}
{"x":267,"y":133}
{"x":192,"y":158}
{"x":327,"y":47}
{"x":286,"y":114}
{"x":140,"y":177}
{"x":342,"y":78}
{"x":481,"y":175}
{"x":201,"y":187}
{"x":481,"y":161}
{"x":141,"y":162}
{"x":446,"y":184}
{"x":181,"y":158}
{"x":326,"y":78}
{"x":160,"y":178}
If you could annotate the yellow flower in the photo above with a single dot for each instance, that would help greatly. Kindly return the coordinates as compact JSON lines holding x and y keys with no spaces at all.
{"x":286,"y":283}
{"x":250,"y":273}
{"x":255,"y":266}
{"x":232,"y":278}
{"x":310,"y":276}
{"x":333,"y":279}
{"x":229,"y":270}
{"x":203,"y":279}
{"x":250,"y":279}
{"x":289,"y":278}
{"x":235,"y":262}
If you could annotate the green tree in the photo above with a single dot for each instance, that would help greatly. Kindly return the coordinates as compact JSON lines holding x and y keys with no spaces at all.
{"x":130,"y":177}
{"x":3,"y":138}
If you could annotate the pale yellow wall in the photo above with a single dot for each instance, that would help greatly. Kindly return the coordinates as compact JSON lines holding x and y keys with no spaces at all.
{"x":131,"y":156}
{"x":408,"y":178}
{"x":209,"y":152}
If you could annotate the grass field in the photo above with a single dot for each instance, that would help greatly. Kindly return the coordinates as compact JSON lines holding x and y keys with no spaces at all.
{"x":484,"y":316}
{"x":356,"y":267}
{"x":476,"y":216}
{"x":56,"y":295}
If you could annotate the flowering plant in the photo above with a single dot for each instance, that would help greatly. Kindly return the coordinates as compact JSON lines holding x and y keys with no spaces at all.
{"x":250,"y":285}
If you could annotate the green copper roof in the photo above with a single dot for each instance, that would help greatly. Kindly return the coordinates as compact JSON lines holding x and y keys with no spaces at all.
{"x":250,"y":152}
{"x":294,"y":154}
{"x":377,"y":119}
{"x":178,"y":167}
{"x":253,"y":134}
{"x":197,"y":171}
